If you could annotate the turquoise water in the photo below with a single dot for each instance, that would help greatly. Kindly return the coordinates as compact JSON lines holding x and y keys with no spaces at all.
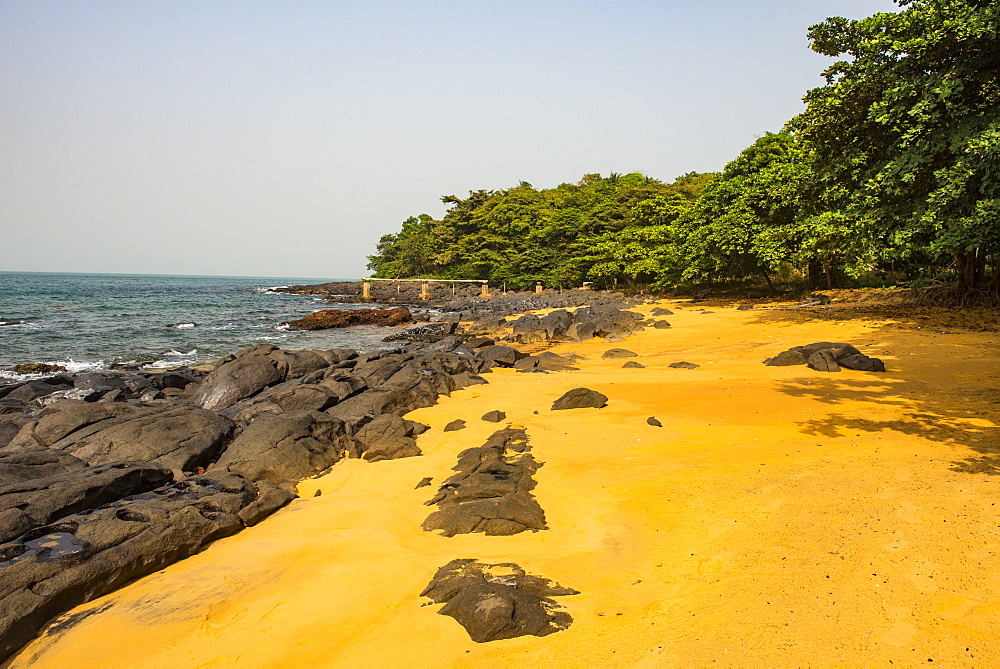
{"x":90,"y":321}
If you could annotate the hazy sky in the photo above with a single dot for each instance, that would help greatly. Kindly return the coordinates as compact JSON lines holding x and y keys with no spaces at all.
{"x":284,"y":138}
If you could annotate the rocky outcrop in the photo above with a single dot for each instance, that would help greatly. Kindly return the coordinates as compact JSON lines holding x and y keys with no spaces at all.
{"x":339,"y":318}
{"x":36,"y":463}
{"x":498,"y":601}
{"x":491,"y":493}
{"x":827,"y":357}
{"x":286,"y":448}
{"x":176,"y":436}
{"x":53,"y":568}
{"x":30,"y":504}
{"x":387,"y":437}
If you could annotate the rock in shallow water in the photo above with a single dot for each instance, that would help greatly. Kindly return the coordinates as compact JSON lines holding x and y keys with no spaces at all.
{"x":498,"y":601}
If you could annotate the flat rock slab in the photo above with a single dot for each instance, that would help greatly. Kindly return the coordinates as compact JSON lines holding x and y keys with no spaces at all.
{"x":684,"y":365}
{"x":491,"y":493}
{"x":37,"y":463}
{"x":580,"y":398}
{"x":632,"y":364}
{"x":177,"y":436}
{"x":31,"y":504}
{"x":83,"y":556}
{"x":342,"y":318}
{"x":498,"y":601}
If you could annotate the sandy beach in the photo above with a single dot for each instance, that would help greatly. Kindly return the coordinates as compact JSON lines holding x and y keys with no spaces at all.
{"x":779,"y":517}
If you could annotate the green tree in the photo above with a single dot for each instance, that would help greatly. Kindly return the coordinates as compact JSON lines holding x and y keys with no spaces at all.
{"x":905,"y":135}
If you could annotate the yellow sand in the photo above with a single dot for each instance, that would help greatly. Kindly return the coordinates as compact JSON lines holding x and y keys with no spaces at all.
{"x":780,"y":517}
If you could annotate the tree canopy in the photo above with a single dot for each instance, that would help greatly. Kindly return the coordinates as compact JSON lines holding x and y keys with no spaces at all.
{"x":891,"y":174}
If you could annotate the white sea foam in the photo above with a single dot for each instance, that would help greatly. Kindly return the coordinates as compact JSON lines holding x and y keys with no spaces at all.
{"x":72,"y":367}
{"x":183,"y":326}
{"x":283,"y":326}
{"x":272,"y":290}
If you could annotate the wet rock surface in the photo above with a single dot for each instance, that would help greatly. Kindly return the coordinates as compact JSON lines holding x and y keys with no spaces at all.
{"x":498,"y":601}
{"x":491,"y":493}
{"x":342,"y":318}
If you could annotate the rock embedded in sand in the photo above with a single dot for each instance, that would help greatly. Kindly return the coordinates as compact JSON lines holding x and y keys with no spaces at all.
{"x":632,"y":364}
{"x":684,"y":365}
{"x":661,"y":311}
{"x":340,"y":318}
{"x":652,"y":421}
{"x":661,"y":325}
{"x":457,"y":424}
{"x":613,"y":353}
{"x":491,"y":493}
{"x":504,"y":356}
{"x":827,"y":356}
{"x":494,"y":416}
{"x":498,"y":601}
{"x":580,"y":398}
{"x":387,"y":437}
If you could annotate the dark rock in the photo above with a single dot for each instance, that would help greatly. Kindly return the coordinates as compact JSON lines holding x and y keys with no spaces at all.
{"x":30,"y":504}
{"x":823,"y":361}
{"x":684,"y":365}
{"x":386,"y":437}
{"x":661,"y":325}
{"x":498,"y":601}
{"x":661,"y":311}
{"x":494,"y":416}
{"x":424,"y":482}
{"x":787,"y":359}
{"x":37,"y":368}
{"x":52,"y":569}
{"x":457,"y":424}
{"x":744,"y":307}
{"x":337,"y":318}
{"x":613,"y":353}
{"x":34,"y":389}
{"x":632,"y":364}
{"x":286,"y":447}
{"x":235,"y":380}
{"x":652,"y":421}
{"x":480,"y":342}
{"x":27,"y":465}
{"x":175,"y":378}
{"x":579,"y":332}
{"x":318,"y":493}
{"x":862,"y":363}
{"x":491,"y":493}
{"x":505,"y":356}
{"x":580,"y":398}
{"x":9,"y":406}
{"x":176,"y":436}
{"x":415,"y":429}
{"x":270,"y":498}
{"x":509,"y":439}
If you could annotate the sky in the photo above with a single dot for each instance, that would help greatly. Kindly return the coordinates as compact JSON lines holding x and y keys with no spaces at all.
{"x":281,"y":138}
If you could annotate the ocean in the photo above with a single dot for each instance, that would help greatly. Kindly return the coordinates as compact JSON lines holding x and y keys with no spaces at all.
{"x":91,"y":321}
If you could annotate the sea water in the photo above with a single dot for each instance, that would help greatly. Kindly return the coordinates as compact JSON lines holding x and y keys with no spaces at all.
{"x":92,"y":321}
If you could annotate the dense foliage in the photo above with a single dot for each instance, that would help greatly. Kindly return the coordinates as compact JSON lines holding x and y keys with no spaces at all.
{"x":889,"y":176}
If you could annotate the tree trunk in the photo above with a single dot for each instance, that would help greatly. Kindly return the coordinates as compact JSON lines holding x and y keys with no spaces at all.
{"x":814,"y":272}
{"x":829,"y":276}
{"x":770,"y":286}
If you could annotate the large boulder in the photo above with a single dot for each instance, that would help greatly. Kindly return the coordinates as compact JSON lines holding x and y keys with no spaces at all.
{"x":580,"y":398}
{"x":83,"y":556}
{"x":177,"y":436}
{"x":30,"y":504}
{"x":498,"y":601}
{"x":286,"y":447}
{"x":504,"y":356}
{"x":237,"y":379}
{"x":387,"y":437}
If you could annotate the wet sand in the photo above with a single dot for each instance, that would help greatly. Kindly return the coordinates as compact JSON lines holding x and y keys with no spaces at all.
{"x":780,"y":517}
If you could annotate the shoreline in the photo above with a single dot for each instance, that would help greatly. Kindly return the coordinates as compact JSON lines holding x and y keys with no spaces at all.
{"x":847,"y":515}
